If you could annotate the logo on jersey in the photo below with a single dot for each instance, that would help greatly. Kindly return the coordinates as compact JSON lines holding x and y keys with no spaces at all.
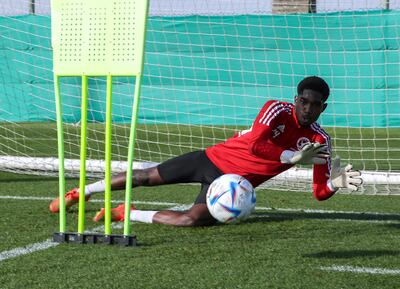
{"x":276,"y":132}
{"x":301,"y":142}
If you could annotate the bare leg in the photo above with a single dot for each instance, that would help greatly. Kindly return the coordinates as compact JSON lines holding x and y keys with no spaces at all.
{"x":198,"y":215}
{"x":146,"y":177}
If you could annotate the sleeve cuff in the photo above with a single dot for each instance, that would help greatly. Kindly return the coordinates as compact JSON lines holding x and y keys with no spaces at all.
{"x":331,"y":186}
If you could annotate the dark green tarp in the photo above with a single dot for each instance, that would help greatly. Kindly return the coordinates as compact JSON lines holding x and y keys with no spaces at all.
{"x":220,"y":69}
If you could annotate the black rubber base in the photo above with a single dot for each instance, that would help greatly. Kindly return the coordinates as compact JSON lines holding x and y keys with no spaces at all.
{"x":88,"y":238}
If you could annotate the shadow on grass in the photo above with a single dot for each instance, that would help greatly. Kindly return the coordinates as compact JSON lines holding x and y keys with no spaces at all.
{"x":394,"y":226}
{"x":352,"y":254}
{"x":75,"y":210}
{"x":28,"y":179}
{"x":272,"y":216}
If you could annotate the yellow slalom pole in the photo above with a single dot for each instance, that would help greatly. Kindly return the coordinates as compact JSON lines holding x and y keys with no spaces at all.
{"x":60,"y":140}
{"x":131,"y":153}
{"x":107,"y":193}
{"x":82,"y":177}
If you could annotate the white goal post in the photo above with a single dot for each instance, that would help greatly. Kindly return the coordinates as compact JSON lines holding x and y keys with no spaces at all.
{"x":209,"y":67}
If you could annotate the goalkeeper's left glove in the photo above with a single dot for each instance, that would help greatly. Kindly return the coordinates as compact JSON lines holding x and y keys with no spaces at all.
{"x":345,"y":177}
{"x":311,"y":153}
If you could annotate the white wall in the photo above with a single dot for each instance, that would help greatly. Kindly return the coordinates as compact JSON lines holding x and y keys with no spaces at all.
{"x":160,"y":7}
{"x":354,"y":5}
{"x":14,"y":7}
{"x":395,"y":4}
{"x":208,"y":7}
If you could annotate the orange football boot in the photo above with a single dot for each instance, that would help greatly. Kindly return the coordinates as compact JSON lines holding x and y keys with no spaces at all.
{"x":117,"y":214}
{"x":71,"y":198}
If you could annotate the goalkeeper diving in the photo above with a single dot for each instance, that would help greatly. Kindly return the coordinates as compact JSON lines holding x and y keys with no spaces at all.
{"x":282,"y":135}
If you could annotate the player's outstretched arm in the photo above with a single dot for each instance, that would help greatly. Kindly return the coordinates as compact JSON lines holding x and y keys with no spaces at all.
{"x":345,"y":177}
{"x":312,"y":153}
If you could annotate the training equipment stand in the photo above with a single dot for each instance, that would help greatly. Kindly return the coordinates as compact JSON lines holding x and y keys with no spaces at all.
{"x":88,"y":238}
{"x":97,"y":38}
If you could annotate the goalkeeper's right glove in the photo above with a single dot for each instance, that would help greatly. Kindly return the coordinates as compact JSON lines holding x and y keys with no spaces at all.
{"x":311,"y":153}
{"x":345,"y":177}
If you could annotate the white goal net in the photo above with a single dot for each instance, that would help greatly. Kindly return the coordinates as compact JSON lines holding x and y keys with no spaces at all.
{"x":210,"y":65}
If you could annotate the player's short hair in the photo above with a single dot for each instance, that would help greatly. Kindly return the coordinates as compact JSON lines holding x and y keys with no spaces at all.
{"x":314,"y":83}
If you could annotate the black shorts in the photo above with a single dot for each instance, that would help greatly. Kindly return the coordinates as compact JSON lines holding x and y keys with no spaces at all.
{"x":193,"y":167}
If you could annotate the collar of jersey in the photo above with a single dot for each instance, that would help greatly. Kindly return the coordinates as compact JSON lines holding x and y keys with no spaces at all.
{"x":295,"y":118}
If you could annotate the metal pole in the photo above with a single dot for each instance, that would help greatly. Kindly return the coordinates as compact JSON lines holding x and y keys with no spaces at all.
{"x":32,"y":7}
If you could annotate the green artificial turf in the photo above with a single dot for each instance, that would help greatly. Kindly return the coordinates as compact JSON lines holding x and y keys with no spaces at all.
{"x":285,"y":244}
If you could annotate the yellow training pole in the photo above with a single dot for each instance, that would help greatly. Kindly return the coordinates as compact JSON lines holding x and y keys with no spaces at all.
{"x":97,"y":47}
{"x":60,"y":140}
{"x":82,"y":177}
{"x":107,"y":193}
{"x":131,"y":154}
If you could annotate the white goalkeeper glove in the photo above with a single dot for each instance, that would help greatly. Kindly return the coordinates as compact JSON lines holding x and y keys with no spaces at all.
{"x":311,"y":153}
{"x":345,"y":177}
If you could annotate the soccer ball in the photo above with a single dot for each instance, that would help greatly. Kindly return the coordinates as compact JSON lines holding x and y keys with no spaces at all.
{"x":231,"y":198}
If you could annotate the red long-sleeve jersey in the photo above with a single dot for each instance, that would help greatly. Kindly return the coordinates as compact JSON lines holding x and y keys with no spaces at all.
{"x":256,"y":153}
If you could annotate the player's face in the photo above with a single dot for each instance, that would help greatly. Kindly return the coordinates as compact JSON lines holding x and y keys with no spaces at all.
{"x":308,"y":106}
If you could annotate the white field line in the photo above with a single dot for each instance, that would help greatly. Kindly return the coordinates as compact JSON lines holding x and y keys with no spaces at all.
{"x":175,"y":206}
{"x":313,"y":211}
{"x":366,"y":270}
{"x":93,"y":200}
{"x":310,"y":211}
{"x":366,"y":221}
{"x":338,"y":219}
{"x":31,"y":248}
